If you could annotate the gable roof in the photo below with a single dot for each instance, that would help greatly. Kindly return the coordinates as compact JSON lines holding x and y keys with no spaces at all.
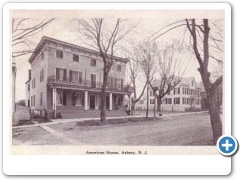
{"x":46,"y":39}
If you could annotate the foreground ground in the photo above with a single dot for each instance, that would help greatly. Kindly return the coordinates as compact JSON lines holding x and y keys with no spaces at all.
{"x":186,"y":129}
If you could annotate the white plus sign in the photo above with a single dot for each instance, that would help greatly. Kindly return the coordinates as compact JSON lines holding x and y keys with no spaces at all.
{"x":227,"y":145}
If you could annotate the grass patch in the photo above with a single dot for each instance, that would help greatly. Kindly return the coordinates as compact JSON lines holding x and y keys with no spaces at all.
{"x":41,"y":120}
{"x":115,"y":121}
{"x":24,"y":122}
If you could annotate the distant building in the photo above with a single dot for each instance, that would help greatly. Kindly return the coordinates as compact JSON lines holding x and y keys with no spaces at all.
{"x":66,"y":78}
{"x":186,"y":96}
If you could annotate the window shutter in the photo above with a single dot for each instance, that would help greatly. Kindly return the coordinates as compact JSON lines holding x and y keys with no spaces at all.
{"x":57,"y":73}
{"x":64,"y":98}
{"x":70,"y":75}
{"x":83,"y":97}
{"x":121,"y":83}
{"x":42,"y":74}
{"x":73,"y":99}
{"x":64,"y":74}
{"x":80,"y":77}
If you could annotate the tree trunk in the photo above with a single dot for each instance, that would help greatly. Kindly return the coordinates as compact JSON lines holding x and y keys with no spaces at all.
{"x":216,"y":122}
{"x":133,"y":106}
{"x":147,"y":100}
{"x":103,"y":99}
{"x":159,"y":104}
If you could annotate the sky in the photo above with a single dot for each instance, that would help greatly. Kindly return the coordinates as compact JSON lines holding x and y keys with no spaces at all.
{"x":62,"y":29}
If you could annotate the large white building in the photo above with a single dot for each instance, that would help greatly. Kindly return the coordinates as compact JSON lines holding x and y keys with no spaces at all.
{"x":186,"y":96}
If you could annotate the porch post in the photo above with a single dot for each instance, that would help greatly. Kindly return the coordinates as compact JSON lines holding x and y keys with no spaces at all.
{"x":130,"y":103}
{"x":110,"y":103}
{"x":54,"y":103}
{"x":86,"y":100}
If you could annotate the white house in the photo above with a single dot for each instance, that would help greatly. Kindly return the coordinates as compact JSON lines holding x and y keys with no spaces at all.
{"x":186,"y":96}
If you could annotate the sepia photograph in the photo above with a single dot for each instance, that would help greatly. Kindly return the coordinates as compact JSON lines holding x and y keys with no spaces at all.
{"x":117,"y":81}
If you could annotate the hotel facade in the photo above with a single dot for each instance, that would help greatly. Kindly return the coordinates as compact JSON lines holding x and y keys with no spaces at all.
{"x":66,"y":78}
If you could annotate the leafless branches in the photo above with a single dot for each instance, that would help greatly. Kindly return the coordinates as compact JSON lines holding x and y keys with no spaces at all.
{"x":22,"y":30}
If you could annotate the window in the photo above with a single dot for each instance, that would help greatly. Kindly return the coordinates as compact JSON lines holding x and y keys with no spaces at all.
{"x":169,"y":101}
{"x":33,"y":100}
{"x":29,"y":87}
{"x":33,"y":83}
{"x":176,"y":100}
{"x":119,"y":67}
{"x":59,"y":54}
{"x":41,"y":98}
{"x":119,"y":83}
{"x":179,"y":90}
{"x":61,"y":74}
{"x":75,"y":57}
{"x":110,"y":81}
{"x":61,"y":98}
{"x":42,"y":55}
{"x":77,"y":99}
{"x":151,"y":93}
{"x":93,"y":62}
{"x":152,"y":101}
{"x":41,"y":75}
{"x":75,"y":76}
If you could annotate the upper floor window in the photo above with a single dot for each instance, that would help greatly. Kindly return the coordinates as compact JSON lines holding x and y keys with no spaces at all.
{"x":119,"y":67}
{"x":61,"y":74}
{"x":151,"y":93}
{"x":41,"y":98}
{"x":29,"y":87}
{"x":42,"y":55}
{"x":93,"y":62}
{"x":33,"y":83}
{"x":75,"y":76}
{"x":59,"y":54}
{"x":76,"y":57}
{"x":41,"y":75}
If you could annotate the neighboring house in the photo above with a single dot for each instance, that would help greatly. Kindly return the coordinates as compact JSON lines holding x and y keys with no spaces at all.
{"x":67,"y":78}
{"x":184,"y":97}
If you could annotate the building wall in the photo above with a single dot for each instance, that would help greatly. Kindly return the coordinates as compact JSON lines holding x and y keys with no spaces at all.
{"x":84,"y":64}
{"x":173,"y":107}
{"x":37,"y":65}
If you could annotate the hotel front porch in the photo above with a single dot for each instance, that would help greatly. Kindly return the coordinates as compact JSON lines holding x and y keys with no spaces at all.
{"x":75,"y":103}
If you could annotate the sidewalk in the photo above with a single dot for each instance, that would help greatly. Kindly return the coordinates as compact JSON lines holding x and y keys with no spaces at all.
{"x":63,"y":121}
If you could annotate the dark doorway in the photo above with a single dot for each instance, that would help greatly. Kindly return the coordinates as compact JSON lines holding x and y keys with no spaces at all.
{"x":92,"y":101}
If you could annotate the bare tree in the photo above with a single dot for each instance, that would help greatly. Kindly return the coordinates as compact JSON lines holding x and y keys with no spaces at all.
{"x":147,"y":57}
{"x":104,"y":37}
{"x":134,"y":72}
{"x":210,"y":87}
{"x":210,"y":48}
{"x":23,"y":29}
{"x":170,"y":71}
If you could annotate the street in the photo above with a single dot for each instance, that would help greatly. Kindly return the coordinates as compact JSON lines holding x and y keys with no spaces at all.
{"x":186,"y":129}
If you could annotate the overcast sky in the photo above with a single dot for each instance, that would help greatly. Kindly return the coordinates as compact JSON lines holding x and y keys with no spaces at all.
{"x":61,"y":29}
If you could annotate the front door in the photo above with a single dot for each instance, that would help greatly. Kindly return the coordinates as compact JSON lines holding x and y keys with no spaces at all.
{"x":92,"y":101}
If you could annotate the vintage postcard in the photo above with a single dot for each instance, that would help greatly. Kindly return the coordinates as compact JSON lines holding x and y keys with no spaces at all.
{"x":113,"y":80}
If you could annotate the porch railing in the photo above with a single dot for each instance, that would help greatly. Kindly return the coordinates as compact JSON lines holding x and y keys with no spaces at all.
{"x":87,"y":83}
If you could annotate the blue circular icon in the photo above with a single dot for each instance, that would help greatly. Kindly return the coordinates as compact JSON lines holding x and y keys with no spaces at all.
{"x":227,"y":145}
